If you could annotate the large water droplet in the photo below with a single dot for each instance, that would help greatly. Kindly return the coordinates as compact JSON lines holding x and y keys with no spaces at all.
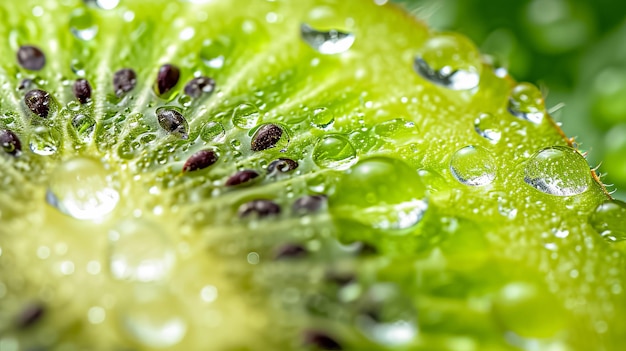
{"x":154,"y":319}
{"x":380,"y":193}
{"x":82,"y":24}
{"x":387,"y":316}
{"x":81,"y":187}
{"x":334,"y":151}
{"x":246,"y":116}
{"x":449,"y":60}
{"x":84,"y":127}
{"x":140,"y":251}
{"x":473,"y":165}
{"x":486,"y":125}
{"x":526,"y":102}
{"x":327,"y":42}
{"x":44,"y":141}
{"x":558,"y":170}
{"x":212,"y":132}
{"x":609,"y":220}
{"x":213,"y":51}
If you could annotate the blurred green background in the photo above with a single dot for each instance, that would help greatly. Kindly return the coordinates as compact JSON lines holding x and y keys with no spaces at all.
{"x":574,"y":50}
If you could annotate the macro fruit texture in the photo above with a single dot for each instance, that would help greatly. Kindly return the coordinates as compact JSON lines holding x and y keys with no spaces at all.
{"x":282,"y":175}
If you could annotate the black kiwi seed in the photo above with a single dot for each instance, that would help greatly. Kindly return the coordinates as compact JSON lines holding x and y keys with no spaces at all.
{"x":82,"y":90}
{"x":282,"y":165}
{"x":309,"y":203}
{"x":124,"y":81}
{"x":10,"y":142}
{"x":173,"y":122}
{"x":321,"y":340}
{"x":200,"y":160}
{"x":30,"y":315}
{"x":38,"y":101}
{"x":167,"y":78}
{"x":262,"y":208}
{"x":242,"y":177}
{"x":198,"y":86}
{"x":31,"y":57}
{"x":266,"y":137}
{"x":289,"y":251}
{"x":341,"y":279}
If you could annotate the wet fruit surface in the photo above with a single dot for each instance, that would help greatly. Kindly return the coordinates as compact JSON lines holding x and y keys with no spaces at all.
{"x":281,"y":175}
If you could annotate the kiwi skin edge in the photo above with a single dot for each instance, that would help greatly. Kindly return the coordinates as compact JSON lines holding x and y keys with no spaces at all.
{"x":204,"y":175}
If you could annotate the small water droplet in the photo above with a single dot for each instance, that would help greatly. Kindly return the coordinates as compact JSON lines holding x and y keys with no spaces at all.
{"x":246,"y":116}
{"x":44,"y":141}
{"x":212,"y":132}
{"x":486,"y":125}
{"x":81,"y":188}
{"x":140,"y":251}
{"x":322,"y":118}
{"x":449,"y":60}
{"x":84,"y":127}
{"x":327,"y":42}
{"x":154,"y":319}
{"x":526,"y":102}
{"x":213,"y":51}
{"x":380,"y":193}
{"x":609,"y":220}
{"x":82,"y":24}
{"x":558,"y":170}
{"x":387,"y":316}
{"x":78,"y":67}
{"x":334,"y":151}
{"x":473,"y":165}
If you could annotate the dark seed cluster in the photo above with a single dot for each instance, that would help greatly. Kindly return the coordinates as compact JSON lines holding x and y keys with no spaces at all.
{"x":124,"y":81}
{"x":167,"y":78}
{"x":200,"y":160}
{"x":38,"y":102}
{"x":173,"y":122}
{"x":31,"y":57}
{"x":321,"y":340}
{"x":242,"y":177}
{"x":9,"y":142}
{"x":196,"y":87}
{"x":266,"y":137}
{"x":262,"y":208}
{"x":289,"y":251}
{"x":82,"y":90}
{"x":282,"y":165}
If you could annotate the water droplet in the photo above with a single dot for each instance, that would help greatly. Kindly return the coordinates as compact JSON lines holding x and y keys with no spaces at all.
{"x":84,"y":127}
{"x":449,"y":60}
{"x":609,"y":220}
{"x":212,"y":132}
{"x":154,"y":319}
{"x":387,"y":316}
{"x":526,"y":102}
{"x":77,"y":67}
{"x":396,"y":129}
{"x":81,"y":188}
{"x":140,"y":251}
{"x":82,"y":24}
{"x":213,"y":51}
{"x":380,"y":193}
{"x":44,"y":141}
{"x":334,"y":151}
{"x":322,"y":118}
{"x":486,"y":125}
{"x":558,"y":170}
{"x":473,"y":165}
{"x":246,"y":116}
{"x":327,"y":42}
{"x":104,"y":4}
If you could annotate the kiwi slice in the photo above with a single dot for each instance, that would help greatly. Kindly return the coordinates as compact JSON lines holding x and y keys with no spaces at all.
{"x":285,"y":175}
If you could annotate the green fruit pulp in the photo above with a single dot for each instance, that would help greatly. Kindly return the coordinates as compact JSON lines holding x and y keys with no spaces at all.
{"x":443,"y":229}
